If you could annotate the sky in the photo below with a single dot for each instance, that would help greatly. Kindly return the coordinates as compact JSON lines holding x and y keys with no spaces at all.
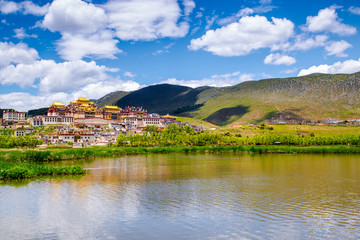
{"x":64,"y":49}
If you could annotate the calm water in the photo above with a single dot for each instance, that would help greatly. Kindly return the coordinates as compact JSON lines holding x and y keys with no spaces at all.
{"x":181,"y":196}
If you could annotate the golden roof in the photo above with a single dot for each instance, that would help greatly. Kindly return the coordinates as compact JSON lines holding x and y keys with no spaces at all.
{"x":58,"y":104}
{"x":82,"y":99}
{"x":111,"y":107}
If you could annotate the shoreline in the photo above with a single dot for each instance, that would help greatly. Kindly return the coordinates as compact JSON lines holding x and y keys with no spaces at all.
{"x":16,"y":164}
{"x":59,"y":154}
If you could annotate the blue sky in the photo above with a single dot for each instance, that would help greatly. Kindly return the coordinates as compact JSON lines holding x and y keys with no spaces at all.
{"x":63,"y":49}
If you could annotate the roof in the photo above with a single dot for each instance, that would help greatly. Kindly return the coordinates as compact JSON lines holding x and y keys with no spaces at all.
{"x":58,"y":104}
{"x":112,"y":107}
{"x":83,"y":99}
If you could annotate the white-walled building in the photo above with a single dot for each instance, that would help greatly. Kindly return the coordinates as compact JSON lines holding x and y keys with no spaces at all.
{"x":12,"y":115}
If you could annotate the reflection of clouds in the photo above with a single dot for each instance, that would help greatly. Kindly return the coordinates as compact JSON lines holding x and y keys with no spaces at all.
{"x":191,"y":196}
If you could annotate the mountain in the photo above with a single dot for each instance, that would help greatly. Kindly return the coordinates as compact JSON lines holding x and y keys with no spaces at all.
{"x":164,"y":98}
{"x":37,"y":112}
{"x":311,"y":97}
{"x":110,"y":99}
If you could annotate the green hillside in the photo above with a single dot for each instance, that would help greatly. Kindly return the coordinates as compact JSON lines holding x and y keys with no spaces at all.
{"x":37,"y":112}
{"x":110,"y":99}
{"x":164,"y":98}
{"x":311,"y":97}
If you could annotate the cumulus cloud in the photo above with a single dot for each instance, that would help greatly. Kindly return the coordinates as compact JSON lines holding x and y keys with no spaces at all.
{"x":240,"y":38}
{"x":83,"y":29}
{"x":147,"y":20}
{"x":90,"y":30}
{"x":289,"y":71}
{"x":189,"y":6}
{"x":349,"y":66}
{"x":327,"y":20}
{"x":21,"y":34}
{"x":338,"y":48}
{"x":26,"y":7}
{"x":9,"y":7}
{"x":98,"y":45}
{"x":302,"y":42}
{"x":74,"y":16}
{"x":31,"y":8}
{"x":242,"y":13}
{"x":22,"y":67}
{"x":54,"y":77}
{"x":221,"y":80}
{"x":354,"y":10}
{"x":16,"y":53}
{"x":279,"y":59}
{"x":25,"y":101}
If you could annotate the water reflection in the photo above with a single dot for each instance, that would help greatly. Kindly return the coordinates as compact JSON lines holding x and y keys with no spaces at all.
{"x":191,"y":197}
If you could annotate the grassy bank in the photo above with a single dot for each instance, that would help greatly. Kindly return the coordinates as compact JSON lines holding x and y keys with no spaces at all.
{"x":16,"y":170}
{"x":85,"y":153}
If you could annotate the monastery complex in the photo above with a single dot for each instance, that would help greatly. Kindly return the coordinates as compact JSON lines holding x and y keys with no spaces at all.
{"x":82,"y":121}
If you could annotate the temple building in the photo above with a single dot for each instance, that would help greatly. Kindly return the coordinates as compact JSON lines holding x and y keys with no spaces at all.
{"x":58,"y":109}
{"x":84,"y":108}
{"x":12,"y":115}
{"x":111,"y":112}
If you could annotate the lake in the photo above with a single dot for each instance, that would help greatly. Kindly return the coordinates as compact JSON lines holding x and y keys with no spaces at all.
{"x":190,"y":196}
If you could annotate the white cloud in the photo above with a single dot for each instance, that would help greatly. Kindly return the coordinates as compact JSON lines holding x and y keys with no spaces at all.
{"x":354,"y":10}
{"x":338,"y":48}
{"x":21,"y":34}
{"x":26,"y":7}
{"x":240,"y":38}
{"x":289,"y":71}
{"x":302,"y":43}
{"x":164,"y":50}
{"x":97,"y":45}
{"x":9,"y":7}
{"x":189,"y":6}
{"x":83,"y":29}
{"x":55,"y":77}
{"x":147,"y":20}
{"x":349,"y":66}
{"x":327,"y":20}
{"x":265,"y":2}
{"x":242,"y":13}
{"x":31,"y":8}
{"x":16,"y":53}
{"x":222,"y":80}
{"x":279,"y":59}
{"x":74,"y":16}
{"x":24,"y":101}
{"x":89,"y":30}
{"x":129,"y":74}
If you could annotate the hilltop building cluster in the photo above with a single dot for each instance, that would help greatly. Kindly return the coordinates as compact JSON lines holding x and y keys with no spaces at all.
{"x":81,"y":121}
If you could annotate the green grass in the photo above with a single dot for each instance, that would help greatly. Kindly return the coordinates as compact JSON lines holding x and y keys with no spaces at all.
{"x":63,"y":154}
{"x":14,"y":170}
{"x":196,"y":122}
{"x":303,"y":130}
